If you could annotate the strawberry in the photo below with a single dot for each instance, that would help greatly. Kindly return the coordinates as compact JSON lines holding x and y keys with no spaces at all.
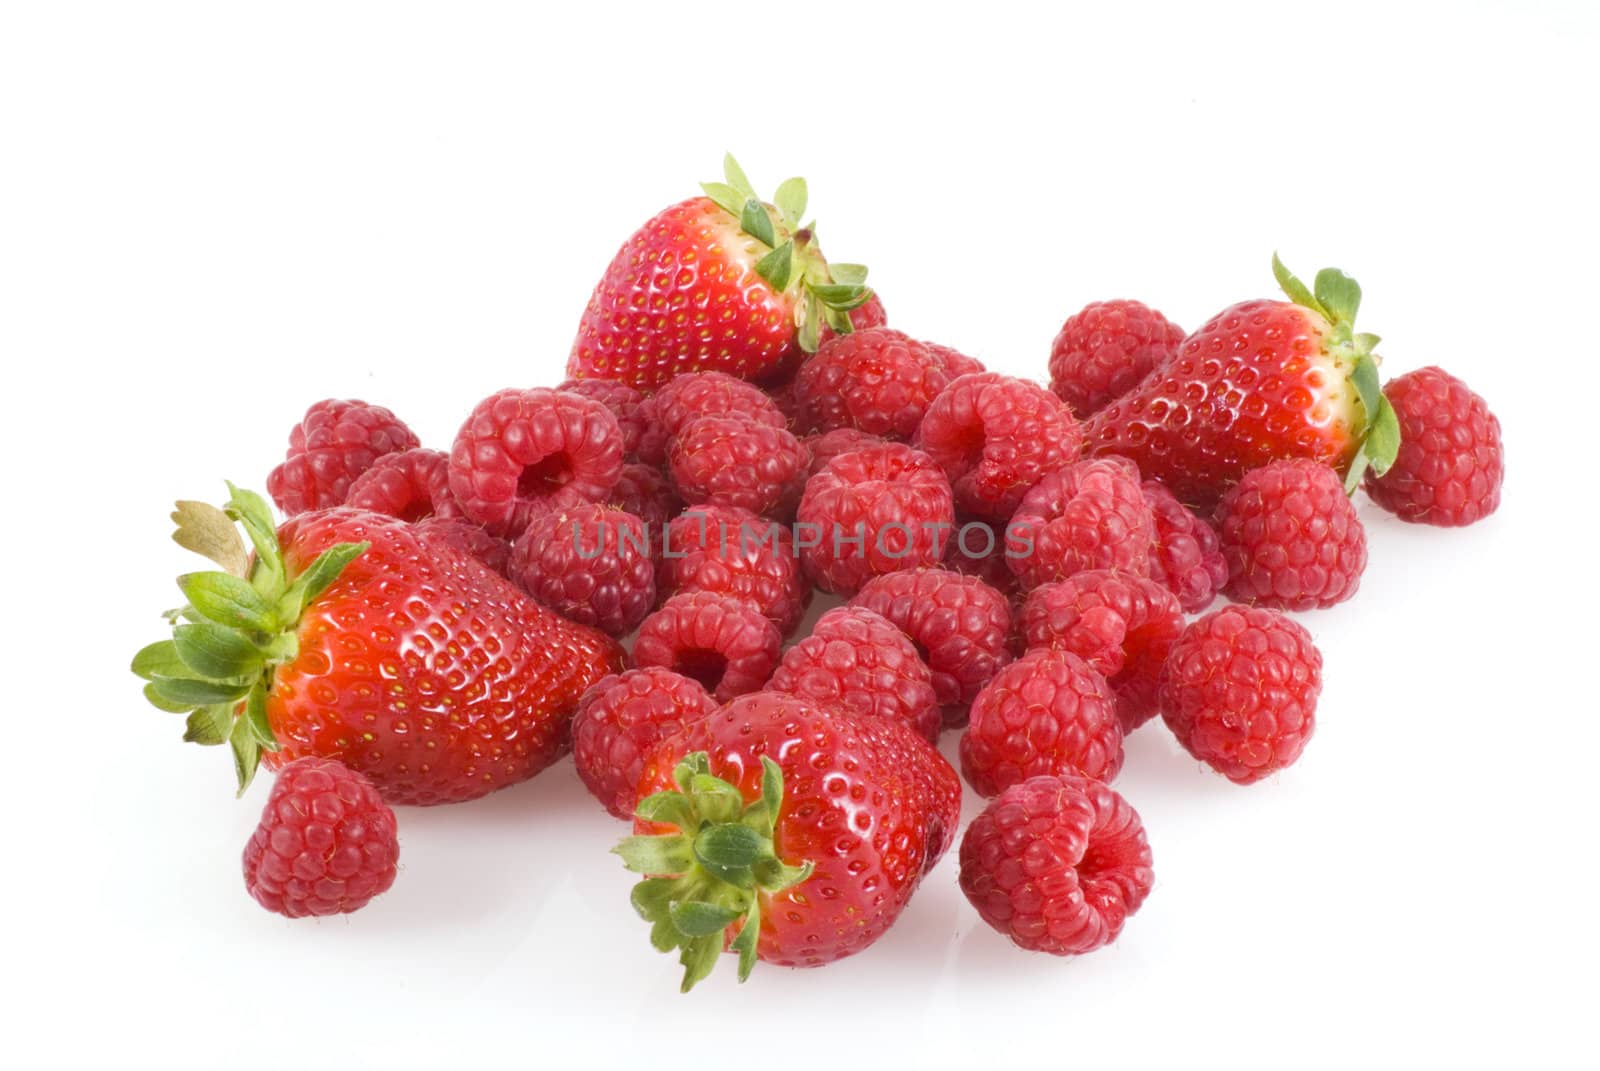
{"x":785,"y":833}
{"x":354,"y":636}
{"x":724,"y":282}
{"x":1263,"y":380}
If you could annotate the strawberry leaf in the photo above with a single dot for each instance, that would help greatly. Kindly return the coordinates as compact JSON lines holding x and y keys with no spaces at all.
{"x":791,"y":201}
{"x":1382,"y":445}
{"x":1295,"y":289}
{"x":155,"y":700}
{"x":755,"y":222}
{"x":749,"y":937}
{"x":208,"y":726}
{"x":737,"y":178}
{"x":255,"y":715}
{"x":213,"y":651}
{"x":656,"y":856}
{"x":1338,"y":294}
{"x":848,"y":273}
{"x":227,"y":600}
{"x":777,"y":267}
{"x":318,"y":576}
{"x":246,"y":753}
{"x":725,"y":197}
{"x":159,"y":659}
{"x":210,"y":533}
{"x":696,"y":918}
{"x":194,"y":693}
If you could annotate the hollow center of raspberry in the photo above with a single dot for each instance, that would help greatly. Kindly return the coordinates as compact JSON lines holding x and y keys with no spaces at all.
{"x":416,"y":509}
{"x":702,"y":665}
{"x":544,"y":477}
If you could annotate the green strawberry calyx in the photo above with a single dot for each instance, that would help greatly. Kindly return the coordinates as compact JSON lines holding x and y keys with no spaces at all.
{"x":713,"y":871}
{"x":236,"y":628}
{"x":1336,"y":297}
{"x":828,"y":293}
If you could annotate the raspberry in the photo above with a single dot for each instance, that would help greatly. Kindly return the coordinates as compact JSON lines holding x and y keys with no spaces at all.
{"x":978,"y":548}
{"x":589,"y":563}
{"x":856,"y":661}
{"x":1046,"y":713}
{"x":995,"y":437}
{"x":1451,"y":463}
{"x":646,"y":493}
{"x":723,"y":643}
{"x":625,"y":403}
{"x":873,"y":511}
{"x":1239,"y":691}
{"x":1057,"y":864}
{"x":621,"y":719}
{"x":411,"y":485}
{"x":954,"y":362}
{"x":688,"y":397}
{"x":335,"y":442}
{"x":867,"y":315}
{"x":959,"y":624}
{"x":1104,"y":351}
{"x":1291,"y":537}
{"x":470,"y":539}
{"x":828,"y":445}
{"x":877,"y":380}
{"x":733,"y":552}
{"x":1089,"y":515}
{"x":732,"y":461}
{"x":1187,"y":556}
{"x":1123,"y":626}
{"x":326,"y":844}
{"x":524,"y":452}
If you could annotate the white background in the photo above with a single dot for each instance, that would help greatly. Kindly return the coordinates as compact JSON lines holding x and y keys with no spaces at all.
{"x":213,"y":214}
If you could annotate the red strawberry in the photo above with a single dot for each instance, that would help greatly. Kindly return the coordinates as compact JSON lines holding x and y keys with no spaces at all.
{"x":1262,"y":380}
{"x":358,"y":637}
{"x":785,"y":833}
{"x":723,"y":282}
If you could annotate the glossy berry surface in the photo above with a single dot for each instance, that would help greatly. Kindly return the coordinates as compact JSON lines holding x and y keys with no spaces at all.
{"x":723,"y":643}
{"x":953,"y":361}
{"x":1239,"y":691}
{"x":1451,"y":463}
{"x":422,"y":669}
{"x":959,"y":624}
{"x":732,"y":461}
{"x":524,"y":452}
{"x":879,"y":381}
{"x":1122,"y":626}
{"x":590,"y":564}
{"x":1089,"y":515}
{"x":856,"y":661}
{"x":1187,"y":556}
{"x":625,"y":403}
{"x":326,"y":844}
{"x":873,"y":511}
{"x":1046,"y":713}
{"x":335,"y":442}
{"x":1057,"y":864}
{"x":827,"y":445}
{"x":411,"y":485}
{"x":1291,"y":537}
{"x":732,"y":552}
{"x":1105,"y":349}
{"x":995,"y":437}
{"x":621,"y":720}
{"x":693,"y":395}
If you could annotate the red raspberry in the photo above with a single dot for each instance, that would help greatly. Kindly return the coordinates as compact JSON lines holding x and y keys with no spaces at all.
{"x":470,"y":539}
{"x":646,"y":493}
{"x":1046,"y":713}
{"x":867,"y":315}
{"x":1451,"y":463}
{"x":688,"y":397}
{"x":1057,"y":864}
{"x":1123,"y":626}
{"x":828,"y":445}
{"x":1104,"y":351}
{"x":995,"y":437}
{"x":856,"y":661}
{"x":733,"y":552}
{"x":731,"y":461}
{"x":411,"y":485}
{"x":870,"y":512}
{"x":621,"y":719}
{"x":326,"y":844}
{"x":589,"y":563}
{"x":1089,"y":515}
{"x":1239,"y":691}
{"x":959,"y":624}
{"x":978,"y":548}
{"x":954,"y":362}
{"x":523,"y":452}
{"x":877,"y":380}
{"x":1291,"y":537}
{"x":724,"y":643}
{"x":335,"y":442}
{"x":1187,"y":556}
{"x":625,"y":403}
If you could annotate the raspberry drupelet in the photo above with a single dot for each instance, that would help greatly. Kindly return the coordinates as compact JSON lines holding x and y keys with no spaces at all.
{"x":335,"y":442}
{"x":412,"y":485}
{"x":1291,"y":537}
{"x":621,"y":719}
{"x":1104,"y":350}
{"x":1089,"y":515}
{"x":723,"y":643}
{"x":1451,"y":462}
{"x":879,"y":381}
{"x":589,"y":563}
{"x":733,"y":552}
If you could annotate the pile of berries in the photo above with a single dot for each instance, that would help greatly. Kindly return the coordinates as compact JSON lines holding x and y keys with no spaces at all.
{"x":620,"y":566}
